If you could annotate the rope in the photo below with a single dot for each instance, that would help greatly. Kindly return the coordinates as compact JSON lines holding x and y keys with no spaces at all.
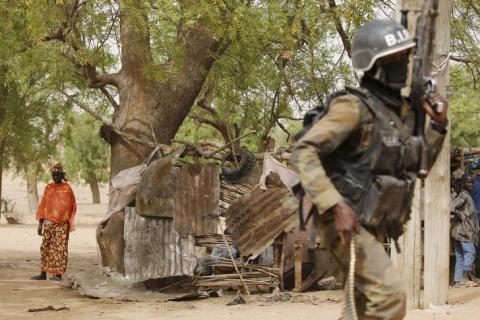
{"x":350,"y":299}
{"x":442,"y":66}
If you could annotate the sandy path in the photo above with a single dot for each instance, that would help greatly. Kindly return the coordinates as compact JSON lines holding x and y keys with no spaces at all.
{"x":19,"y":259}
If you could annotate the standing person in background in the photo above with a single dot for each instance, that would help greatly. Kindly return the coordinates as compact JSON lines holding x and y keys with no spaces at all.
{"x":476,"y":199}
{"x":465,"y":231}
{"x":56,"y":218}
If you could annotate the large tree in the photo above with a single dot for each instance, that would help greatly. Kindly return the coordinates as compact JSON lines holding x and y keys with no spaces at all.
{"x":166,"y":49}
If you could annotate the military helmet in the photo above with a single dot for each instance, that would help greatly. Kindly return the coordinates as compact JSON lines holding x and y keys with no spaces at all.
{"x":378,"y":39}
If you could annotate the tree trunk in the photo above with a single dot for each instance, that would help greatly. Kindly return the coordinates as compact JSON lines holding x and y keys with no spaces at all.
{"x":2,"y":150}
{"x":32,"y":190}
{"x":148,"y":107}
{"x":93,"y":182}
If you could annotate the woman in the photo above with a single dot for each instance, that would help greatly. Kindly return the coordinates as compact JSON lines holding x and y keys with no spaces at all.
{"x":56,"y":218}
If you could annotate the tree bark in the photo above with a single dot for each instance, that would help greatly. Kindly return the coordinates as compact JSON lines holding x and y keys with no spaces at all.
{"x":2,"y":150}
{"x":149,"y":107}
{"x":93,"y":182}
{"x":32,"y":190}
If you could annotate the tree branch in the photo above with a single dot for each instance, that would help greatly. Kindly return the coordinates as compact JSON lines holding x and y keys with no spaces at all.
{"x":205,"y":105}
{"x":464,"y":60}
{"x":110,"y":98}
{"x":211,"y":123}
{"x":86,"y":108}
{"x":284,"y":129}
{"x":107,"y":123}
{"x":68,"y":34}
{"x":290,"y":118}
{"x":212,"y":154}
{"x":338,"y":25}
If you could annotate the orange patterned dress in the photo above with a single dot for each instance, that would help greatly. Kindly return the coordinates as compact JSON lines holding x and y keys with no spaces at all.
{"x":57,"y":208}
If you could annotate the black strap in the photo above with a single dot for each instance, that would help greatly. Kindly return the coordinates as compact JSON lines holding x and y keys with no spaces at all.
{"x":300,"y":212}
{"x":370,"y":101}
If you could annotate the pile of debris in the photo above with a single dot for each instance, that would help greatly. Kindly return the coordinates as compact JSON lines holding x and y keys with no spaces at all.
{"x":225,"y":230}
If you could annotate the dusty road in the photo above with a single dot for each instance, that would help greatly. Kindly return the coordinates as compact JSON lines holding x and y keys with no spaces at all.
{"x":19,"y":259}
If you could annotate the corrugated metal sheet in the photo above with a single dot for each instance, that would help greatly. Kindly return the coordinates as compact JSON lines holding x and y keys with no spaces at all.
{"x":255,"y":220}
{"x":197,"y":198}
{"x":230,"y":192}
{"x":153,"y":249}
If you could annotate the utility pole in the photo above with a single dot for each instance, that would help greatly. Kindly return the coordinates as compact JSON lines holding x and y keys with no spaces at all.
{"x":437,"y":184}
{"x":432,"y":198}
{"x":409,"y":260}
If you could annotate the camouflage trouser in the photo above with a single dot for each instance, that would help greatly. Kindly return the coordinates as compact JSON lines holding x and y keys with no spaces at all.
{"x":379,"y":292}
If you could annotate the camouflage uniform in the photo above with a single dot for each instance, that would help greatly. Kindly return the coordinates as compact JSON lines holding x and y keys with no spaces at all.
{"x":349,"y":123}
{"x":464,"y":225}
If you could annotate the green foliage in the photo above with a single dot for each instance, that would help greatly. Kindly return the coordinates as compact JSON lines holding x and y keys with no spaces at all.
{"x":465,"y":36}
{"x":86,"y":155}
{"x":31,"y":127}
{"x":277,"y":60}
{"x":465,"y":109}
{"x":283,"y":58}
{"x":464,"y":75}
{"x":32,"y":116}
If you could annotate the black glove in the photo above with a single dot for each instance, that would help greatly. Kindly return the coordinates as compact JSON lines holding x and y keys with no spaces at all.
{"x":40,"y":230}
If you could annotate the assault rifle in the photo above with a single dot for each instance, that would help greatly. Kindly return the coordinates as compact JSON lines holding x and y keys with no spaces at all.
{"x":423,"y":85}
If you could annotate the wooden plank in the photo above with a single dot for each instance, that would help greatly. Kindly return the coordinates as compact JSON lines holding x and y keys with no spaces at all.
{"x":197,"y":199}
{"x":437,"y":186}
{"x":409,"y":260}
{"x":299,"y":249}
{"x":211,"y":240}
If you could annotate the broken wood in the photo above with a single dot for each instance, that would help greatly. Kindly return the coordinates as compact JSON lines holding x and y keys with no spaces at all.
{"x":222,"y":262}
{"x":245,"y":286}
{"x":229,"y":193}
{"x":211,"y":240}
{"x":232,"y":280}
{"x":49,"y":308}
{"x":299,"y":249}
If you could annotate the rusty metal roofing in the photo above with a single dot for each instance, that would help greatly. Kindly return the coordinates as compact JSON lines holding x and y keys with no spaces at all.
{"x":230,"y":192}
{"x":156,"y":190}
{"x":153,"y":249}
{"x":255,"y":220}
{"x":197,"y":199}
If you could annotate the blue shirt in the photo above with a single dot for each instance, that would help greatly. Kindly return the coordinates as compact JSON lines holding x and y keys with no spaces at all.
{"x":476,"y":196}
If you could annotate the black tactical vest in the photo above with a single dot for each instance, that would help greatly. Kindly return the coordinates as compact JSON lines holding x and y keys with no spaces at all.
{"x":379,"y":181}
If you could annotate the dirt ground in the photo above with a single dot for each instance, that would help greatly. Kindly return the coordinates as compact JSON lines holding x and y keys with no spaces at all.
{"x":19,"y":259}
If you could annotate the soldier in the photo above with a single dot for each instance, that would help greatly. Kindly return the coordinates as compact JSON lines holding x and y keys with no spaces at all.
{"x":359,"y":162}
